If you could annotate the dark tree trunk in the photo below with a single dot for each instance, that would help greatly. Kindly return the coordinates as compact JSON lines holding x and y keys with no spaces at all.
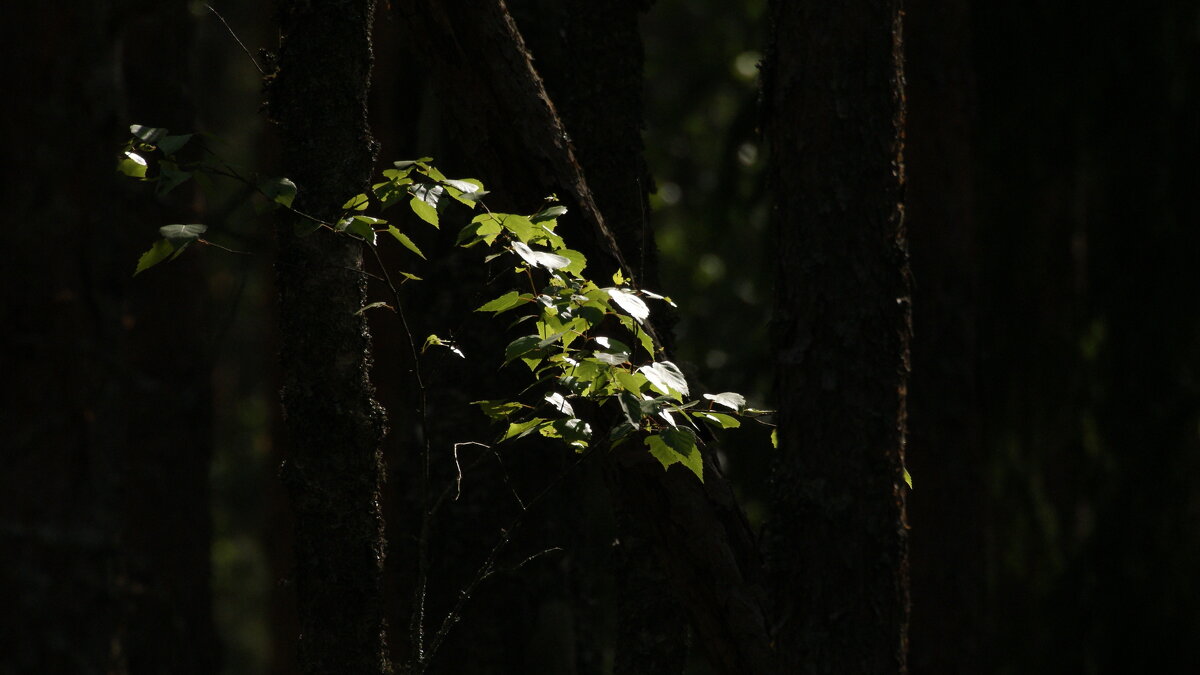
{"x":949,"y":574}
{"x":838,"y":546}
{"x":333,"y":426}
{"x":106,"y":421}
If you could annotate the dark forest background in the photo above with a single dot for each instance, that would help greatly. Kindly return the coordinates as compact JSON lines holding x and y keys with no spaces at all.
{"x":1054,"y":402}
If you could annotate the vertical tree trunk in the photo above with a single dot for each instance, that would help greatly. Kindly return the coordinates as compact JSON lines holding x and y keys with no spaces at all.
{"x":834,"y":119}
{"x":334,"y":428}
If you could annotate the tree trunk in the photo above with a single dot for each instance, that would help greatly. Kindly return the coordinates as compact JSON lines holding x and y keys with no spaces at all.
{"x":333,"y":426}
{"x":838,"y":537}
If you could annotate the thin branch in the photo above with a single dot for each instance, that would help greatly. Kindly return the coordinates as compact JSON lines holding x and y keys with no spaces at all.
{"x":236,"y":38}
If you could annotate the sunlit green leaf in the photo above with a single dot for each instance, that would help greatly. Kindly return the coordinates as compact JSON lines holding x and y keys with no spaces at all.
{"x":550,"y":213}
{"x":500,"y":409}
{"x":132,"y":165}
{"x":545,"y":259}
{"x":503,"y":303}
{"x":520,"y":347}
{"x":424,"y":211}
{"x":560,"y":403}
{"x":578,"y":261}
{"x":361,"y":228}
{"x":677,"y":445}
{"x":907,"y":478}
{"x":358,"y":202}
{"x":720,"y":420}
{"x":630,"y":302}
{"x":666,"y":378}
{"x":404,"y":240}
{"x":520,"y":429}
{"x":160,"y":251}
{"x":732,"y":400}
{"x":775,"y":442}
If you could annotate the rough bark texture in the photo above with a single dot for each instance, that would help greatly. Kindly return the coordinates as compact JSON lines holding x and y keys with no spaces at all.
{"x":949,"y":576}
{"x":838,"y":547}
{"x":497,"y":100}
{"x":105,"y":422}
{"x":333,"y":426}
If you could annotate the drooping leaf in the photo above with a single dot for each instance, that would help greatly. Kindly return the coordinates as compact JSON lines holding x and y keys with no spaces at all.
{"x":550,"y":261}
{"x":182,"y":235}
{"x":160,"y":251}
{"x":666,"y":378}
{"x":361,"y":227}
{"x":643,"y":337}
{"x":732,"y":400}
{"x":404,"y":240}
{"x":630,"y":302}
{"x":677,"y":445}
{"x":574,"y":432}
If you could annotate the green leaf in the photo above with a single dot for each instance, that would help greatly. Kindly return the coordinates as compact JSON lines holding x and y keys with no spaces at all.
{"x":549,"y":213}
{"x":424,"y":211}
{"x":643,"y":337}
{"x":550,"y":261}
{"x":279,"y":190}
{"x":732,"y":400}
{"x":520,"y":347}
{"x":520,"y":429}
{"x":631,"y":382}
{"x":172,"y":144}
{"x":578,"y":261}
{"x":719,"y":420}
{"x":182,"y":235}
{"x":503,"y":303}
{"x":677,"y":445}
{"x":775,"y":444}
{"x":413,"y":277}
{"x":160,"y":251}
{"x":908,"y":479}
{"x":132,"y":165}
{"x":404,"y":240}
{"x":632,"y":407}
{"x":560,"y":403}
{"x":499,"y":409}
{"x":408,"y":163}
{"x":361,"y":227}
{"x":666,"y":378}
{"x":630,"y":302}
{"x":574,"y":431}
{"x":374,"y":305}
{"x":356,"y":203}
{"x":520,"y":226}
{"x":147,"y":134}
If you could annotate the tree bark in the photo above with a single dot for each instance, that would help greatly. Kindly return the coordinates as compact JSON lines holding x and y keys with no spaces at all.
{"x":838,"y":538}
{"x":333,"y":426}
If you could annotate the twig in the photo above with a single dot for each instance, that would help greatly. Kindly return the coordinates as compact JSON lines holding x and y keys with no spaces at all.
{"x":236,"y":38}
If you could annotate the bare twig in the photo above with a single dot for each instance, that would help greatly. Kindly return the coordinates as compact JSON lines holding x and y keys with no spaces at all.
{"x":236,"y":38}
